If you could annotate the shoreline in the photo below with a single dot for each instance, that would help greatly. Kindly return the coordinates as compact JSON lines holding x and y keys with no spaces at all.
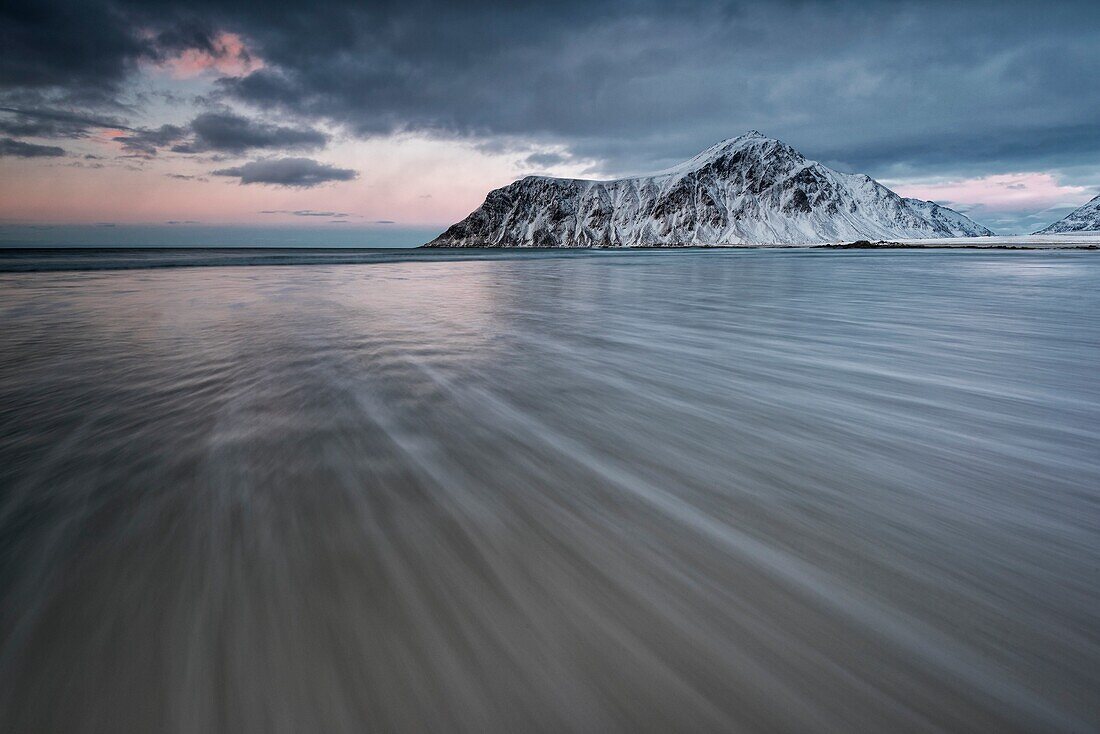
{"x":1075,"y":241}
{"x":43,"y":260}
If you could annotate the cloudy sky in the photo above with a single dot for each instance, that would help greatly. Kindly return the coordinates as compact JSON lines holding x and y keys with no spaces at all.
{"x":404,"y":114}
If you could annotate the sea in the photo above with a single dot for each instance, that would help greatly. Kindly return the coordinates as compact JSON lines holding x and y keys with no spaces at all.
{"x":492,"y":491}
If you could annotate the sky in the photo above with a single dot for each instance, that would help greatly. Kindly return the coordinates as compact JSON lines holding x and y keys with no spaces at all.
{"x":390,"y":120}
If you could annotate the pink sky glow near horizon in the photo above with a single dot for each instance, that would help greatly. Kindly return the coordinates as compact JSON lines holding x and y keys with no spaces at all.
{"x":1022,"y":191}
{"x":409,"y":180}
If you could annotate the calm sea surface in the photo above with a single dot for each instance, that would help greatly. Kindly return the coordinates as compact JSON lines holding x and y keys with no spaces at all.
{"x":698,"y":491}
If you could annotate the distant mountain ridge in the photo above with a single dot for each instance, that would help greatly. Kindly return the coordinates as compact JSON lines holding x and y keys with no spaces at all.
{"x":1085,"y":218}
{"x":743,"y":191}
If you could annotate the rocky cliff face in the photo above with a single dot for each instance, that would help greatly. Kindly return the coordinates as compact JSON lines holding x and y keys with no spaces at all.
{"x":744,"y":191}
{"x":1084,"y":219}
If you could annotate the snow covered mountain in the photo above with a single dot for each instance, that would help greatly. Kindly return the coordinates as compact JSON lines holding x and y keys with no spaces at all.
{"x":746,"y":190}
{"x":1083,"y":219}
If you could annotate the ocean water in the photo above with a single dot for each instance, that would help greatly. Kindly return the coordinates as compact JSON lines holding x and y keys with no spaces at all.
{"x":699,"y":491}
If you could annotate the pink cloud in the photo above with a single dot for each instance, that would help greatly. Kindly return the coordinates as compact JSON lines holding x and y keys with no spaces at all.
{"x":1003,"y":192}
{"x":230,"y":56}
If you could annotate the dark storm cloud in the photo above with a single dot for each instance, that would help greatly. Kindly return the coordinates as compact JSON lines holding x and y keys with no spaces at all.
{"x":994,"y":147}
{"x":66,"y":44}
{"x":290,"y":172}
{"x":222,"y":132}
{"x":543,"y":160}
{"x":188,"y":33}
{"x":54,"y":123}
{"x":892,"y":85}
{"x":19,"y":149}
{"x":643,"y":84}
{"x":37,"y":129}
{"x":229,"y":133}
{"x":147,"y":142}
{"x":87,"y":49}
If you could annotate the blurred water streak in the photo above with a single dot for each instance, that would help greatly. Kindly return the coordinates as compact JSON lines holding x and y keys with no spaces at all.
{"x":745,"y":490}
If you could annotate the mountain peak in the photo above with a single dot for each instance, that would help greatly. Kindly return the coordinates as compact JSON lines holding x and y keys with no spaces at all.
{"x":1085,"y":218}
{"x":749,"y":137}
{"x":753,"y":139}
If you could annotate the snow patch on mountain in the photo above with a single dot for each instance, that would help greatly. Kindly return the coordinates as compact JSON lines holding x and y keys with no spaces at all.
{"x":747,"y":190}
{"x":1083,"y":219}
